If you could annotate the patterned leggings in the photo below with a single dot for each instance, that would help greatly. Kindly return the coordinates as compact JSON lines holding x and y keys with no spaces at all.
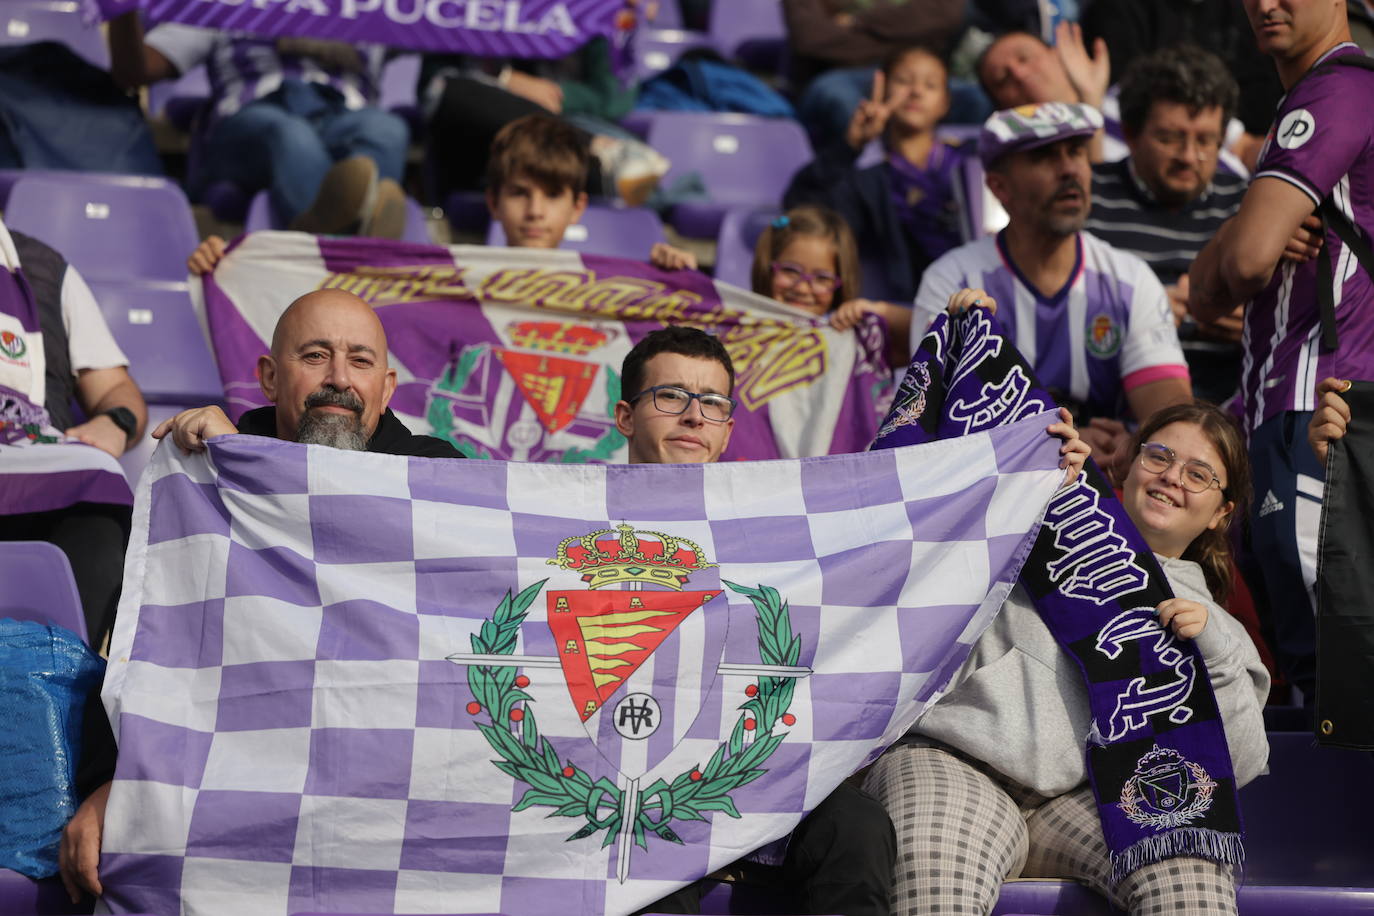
{"x":960,"y":834}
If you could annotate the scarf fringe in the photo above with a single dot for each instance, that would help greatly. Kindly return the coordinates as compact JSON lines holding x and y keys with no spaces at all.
{"x":1199,"y":842}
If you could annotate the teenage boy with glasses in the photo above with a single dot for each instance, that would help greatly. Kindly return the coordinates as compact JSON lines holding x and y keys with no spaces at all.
{"x":840,"y":857}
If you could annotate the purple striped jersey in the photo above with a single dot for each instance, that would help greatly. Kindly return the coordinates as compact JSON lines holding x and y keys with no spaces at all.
{"x":1107,"y":331}
{"x":1322,"y":143}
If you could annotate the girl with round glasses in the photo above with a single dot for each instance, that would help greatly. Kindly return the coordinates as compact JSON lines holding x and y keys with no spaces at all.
{"x":991,"y":783}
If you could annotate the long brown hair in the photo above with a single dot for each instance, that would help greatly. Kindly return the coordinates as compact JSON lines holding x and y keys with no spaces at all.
{"x":1212,"y":548}
{"x":808,"y":220}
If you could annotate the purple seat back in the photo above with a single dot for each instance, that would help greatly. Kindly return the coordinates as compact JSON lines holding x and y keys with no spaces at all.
{"x":621,"y":232}
{"x":658,"y":49}
{"x":156,"y":326}
{"x":400,"y":82}
{"x":260,"y":217}
{"x":112,"y":227}
{"x":1307,"y":822}
{"x":22,"y":896}
{"x":29,"y":21}
{"x":669,"y":15}
{"x":744,"y":160}
{"x":39,"y":585}
{"x":752,"y":31}
{"x":739,"y":232}
{"x":1066,"y":898}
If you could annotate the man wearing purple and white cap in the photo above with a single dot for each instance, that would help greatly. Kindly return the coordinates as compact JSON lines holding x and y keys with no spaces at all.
{"x":1093,"y":320}
{"x":1317,"y":154}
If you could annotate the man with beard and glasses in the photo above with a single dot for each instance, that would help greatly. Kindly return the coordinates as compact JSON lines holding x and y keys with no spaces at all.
{"x":1093,"y":321}
{"x":328,"y":376}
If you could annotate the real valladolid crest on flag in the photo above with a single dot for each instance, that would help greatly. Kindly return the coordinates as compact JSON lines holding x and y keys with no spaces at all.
{"x":513,"y":353}
{"x":1158,"y":759}
{"x":355,"y":682}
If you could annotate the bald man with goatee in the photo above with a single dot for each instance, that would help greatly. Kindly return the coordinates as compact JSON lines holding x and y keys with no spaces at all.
{"x":330,"y":382}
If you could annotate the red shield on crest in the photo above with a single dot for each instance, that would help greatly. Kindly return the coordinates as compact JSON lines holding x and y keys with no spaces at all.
{"x":603,"y":637}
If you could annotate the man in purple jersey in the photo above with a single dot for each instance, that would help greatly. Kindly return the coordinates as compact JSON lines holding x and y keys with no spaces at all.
{"x":1320,"y":148}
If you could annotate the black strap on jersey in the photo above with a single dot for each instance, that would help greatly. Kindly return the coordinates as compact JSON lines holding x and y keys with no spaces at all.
{"x":1337,"y":222}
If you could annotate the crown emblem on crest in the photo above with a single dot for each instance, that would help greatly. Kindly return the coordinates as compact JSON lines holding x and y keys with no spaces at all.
{"x":556,"y":337}
{"x":627,"y":555}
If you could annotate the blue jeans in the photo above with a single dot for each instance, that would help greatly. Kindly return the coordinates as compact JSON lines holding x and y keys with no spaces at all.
{"x":287,"y":141}
{"x":828,"y":102}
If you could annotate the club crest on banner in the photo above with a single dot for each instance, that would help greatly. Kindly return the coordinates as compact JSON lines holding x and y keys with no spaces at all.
{"x":639,"y":655}
{"x":1166,"y":790}
{"x":529,"y":398}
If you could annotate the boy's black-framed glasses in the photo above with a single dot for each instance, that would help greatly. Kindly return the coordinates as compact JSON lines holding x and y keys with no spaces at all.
{"x":671,"y":399}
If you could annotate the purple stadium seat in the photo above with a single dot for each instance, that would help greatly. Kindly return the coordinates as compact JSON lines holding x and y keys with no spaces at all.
{"x":1308,"y":821}
{"x":156,"y":326}
{"x":739,"y":232}
{"x":112,"y":227}
{"x":400,"y":82}
{"x":750,"y":31}
{"x":28,"y":21}
{"x":1065,"y":898}
{"x":260,"y":217}
{"x":658,"y":49}
{"x":669,"y":15}
{"x":622,"y":232}
{"x":23,"y":896}
{"x":743,"y":160}
{"x":40,"y":586}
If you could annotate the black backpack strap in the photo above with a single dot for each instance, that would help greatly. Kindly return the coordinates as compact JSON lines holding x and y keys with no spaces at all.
{"x":1358,"y":244}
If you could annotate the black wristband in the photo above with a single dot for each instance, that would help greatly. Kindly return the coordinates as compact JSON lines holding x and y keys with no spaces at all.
{"x":124,"y":418}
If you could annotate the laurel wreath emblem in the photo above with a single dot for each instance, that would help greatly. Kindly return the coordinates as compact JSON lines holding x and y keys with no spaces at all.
{"x":562,"y":785}
{"x":1202,"y":785}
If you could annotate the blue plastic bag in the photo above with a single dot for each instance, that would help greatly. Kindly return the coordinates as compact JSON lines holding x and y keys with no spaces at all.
{"x":46,"y":674}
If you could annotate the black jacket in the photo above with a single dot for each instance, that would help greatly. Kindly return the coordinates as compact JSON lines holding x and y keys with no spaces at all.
{"x":391,"y":437}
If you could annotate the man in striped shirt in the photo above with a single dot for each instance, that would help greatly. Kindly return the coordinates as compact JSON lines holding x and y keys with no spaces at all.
{"x":1321,"y":148}
{"x":1167,"y":199}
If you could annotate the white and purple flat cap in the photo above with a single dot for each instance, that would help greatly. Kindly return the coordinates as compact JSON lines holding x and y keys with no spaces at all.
{"x":1029,"y":126}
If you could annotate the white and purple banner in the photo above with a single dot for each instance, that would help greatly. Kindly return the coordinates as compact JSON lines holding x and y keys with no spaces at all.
{"x":484,"y":28}
{"x":514,"y":353}
{"x":348,"y":682}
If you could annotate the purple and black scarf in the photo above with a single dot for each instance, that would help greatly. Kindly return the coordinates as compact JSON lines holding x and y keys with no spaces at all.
{"x":1157,"y":756}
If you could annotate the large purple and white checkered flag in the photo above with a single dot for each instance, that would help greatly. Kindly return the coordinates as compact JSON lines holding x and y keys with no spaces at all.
{"x":354,"y":682}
